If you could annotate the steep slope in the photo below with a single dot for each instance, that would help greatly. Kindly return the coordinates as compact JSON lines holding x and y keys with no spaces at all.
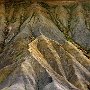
{"x":39,"y":45}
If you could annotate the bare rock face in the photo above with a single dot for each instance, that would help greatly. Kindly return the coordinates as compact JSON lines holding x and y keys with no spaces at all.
{"x":39,"y":45}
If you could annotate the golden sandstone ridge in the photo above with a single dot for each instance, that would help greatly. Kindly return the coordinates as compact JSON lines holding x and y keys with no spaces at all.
{"x":44,"y":45}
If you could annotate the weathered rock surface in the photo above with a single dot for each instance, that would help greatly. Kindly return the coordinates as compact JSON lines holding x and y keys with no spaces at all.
{"x":39,"y":50}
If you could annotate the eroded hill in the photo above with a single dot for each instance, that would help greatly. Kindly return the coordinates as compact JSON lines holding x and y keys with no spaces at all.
{"x":44,"y":45}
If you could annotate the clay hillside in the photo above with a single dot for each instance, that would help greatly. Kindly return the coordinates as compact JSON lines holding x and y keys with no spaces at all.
{"x":44,"y":45}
